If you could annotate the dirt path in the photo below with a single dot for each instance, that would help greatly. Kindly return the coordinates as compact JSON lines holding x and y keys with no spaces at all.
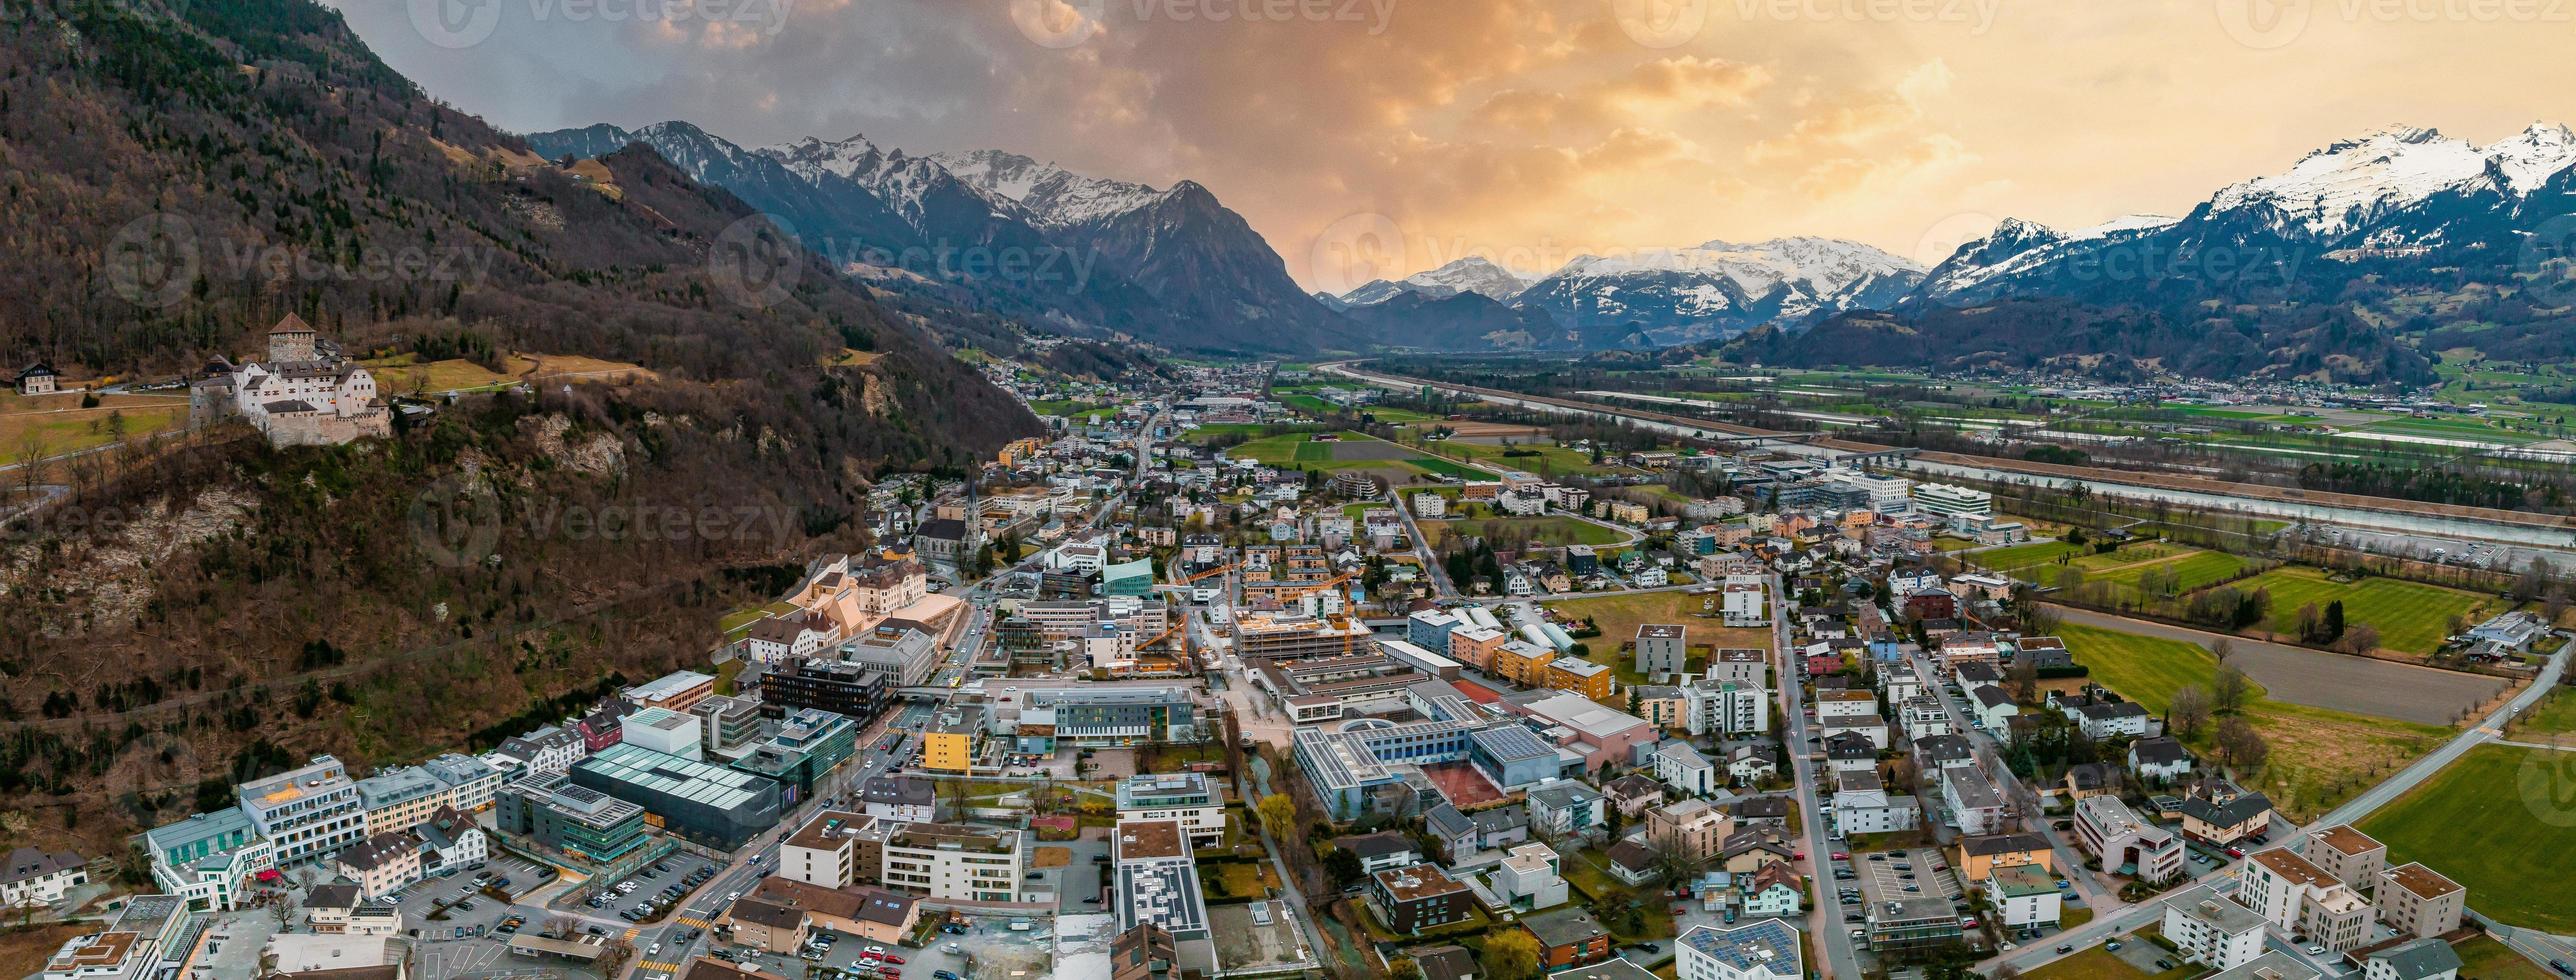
{"x":2360,"y":685}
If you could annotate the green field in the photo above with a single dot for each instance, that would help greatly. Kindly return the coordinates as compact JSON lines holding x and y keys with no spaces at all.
{"x":2099,"y":964}
{"x":2027,"y":556}
{"x":1071,"y":408}
{"x":2199,"y":569}
{"x":2554,"y":715}
{"x":2319,"y":757}
{"x":2412,"y":617}
{"x":2492,"y":821}
{"x":1545,"y":460}
{"x":1298,"y":450}
{"x":2486,"y":959}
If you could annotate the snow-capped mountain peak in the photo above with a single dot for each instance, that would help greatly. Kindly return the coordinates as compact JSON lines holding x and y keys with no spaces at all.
{"x":1473,"y":274}
{"x":2351,"y":182}
{"x":1054,"y":196}
{"x":2522,"y":162}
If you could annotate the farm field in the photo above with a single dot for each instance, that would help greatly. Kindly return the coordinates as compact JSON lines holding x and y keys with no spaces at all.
{"x":1542,"y":531}
{"x":2319,"y":756}
{"x":2199,"y":569}
{"x":55,"y":424}
{"x":1070,"y":408}
{"x":2554,"y":715}
{"x":2412,"y":617}
{"x":404,"y":374}
{"x":2481,"y":821}
{"x":1351,"y":452}
{"x":1620,"y":615}
{"x":1549,"y":461}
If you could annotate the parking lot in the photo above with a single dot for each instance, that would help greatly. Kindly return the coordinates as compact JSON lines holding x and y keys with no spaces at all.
{"x":985,"y":947}
{"x":649,"y":897}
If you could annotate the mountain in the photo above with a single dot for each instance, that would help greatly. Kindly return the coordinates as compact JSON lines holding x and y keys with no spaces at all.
{"x":1473,"y":274}
{"x":1719,"y":288}
{"x":1465,"y":321}
{"x":1217,"y":279}
{"x":1021,"y":238}
{"x":184,"y":175}
{"x":2346,"y":265}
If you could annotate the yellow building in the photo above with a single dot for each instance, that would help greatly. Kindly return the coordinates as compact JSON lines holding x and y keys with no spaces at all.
{"x":949,"y":744}
{"x":1519,"y":663}
{"x":1579,"y":676}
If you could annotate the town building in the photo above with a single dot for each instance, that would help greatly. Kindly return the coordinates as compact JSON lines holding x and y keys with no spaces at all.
{"x":954,"y":861}
{"x":1189,"y":799}
{"x":1567,"y":937}
{"x":309,"y":814}
{"x":2294,"y":894}
{"x":1420,"y":897}
{"x":1764,"y":950}
{"x":712,"y":805}
{"x":210,"y":859}
{"x":2213,"y":931}
{"x":2419,"y":902}
{"x":1158,"y":885}
{"x":1662,"y":649}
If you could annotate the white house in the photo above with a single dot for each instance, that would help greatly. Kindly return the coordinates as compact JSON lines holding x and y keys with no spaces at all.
{"x":1994,"y":709}
{"x":2159,"y":758}
{"x":2023,"y":895}
{"x":1862,"y":805}
{"x":2213,"y":931}
{"x":1975,"y":805}
{"x":37,"y":877}
{"x":1528,"y":878}
{"x":1681,"y":767}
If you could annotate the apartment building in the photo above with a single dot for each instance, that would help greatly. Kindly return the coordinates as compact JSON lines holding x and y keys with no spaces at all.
{"x":208,"y":860}
{"x":2213,"y":931}
{"x":381,"y":863}
{"x":1691,"y":827}
{"x":2347,"y":854}
{"x":470,"y":781}
{"x":1189,"y":799}
{"x":2127,"y":844}
{"x":1420,"y":897}
{"x":979,"y":864}
{"x":1746,"y":601}
{"x":2291,"y":892}
{"x":824,"y":852}
{"x":1726,"y":707}
{"x":309,"y":814}
{"x":1662,"y":649}
{"x":1761,"y":950}
{"x":2419,"y":902}
{"x":399,"y":799}
{"x":1158,"y":885}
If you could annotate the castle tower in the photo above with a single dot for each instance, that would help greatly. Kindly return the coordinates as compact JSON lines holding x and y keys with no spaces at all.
{"x":291,"y":341}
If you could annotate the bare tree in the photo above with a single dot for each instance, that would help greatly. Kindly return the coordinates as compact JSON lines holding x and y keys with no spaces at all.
{"x":2240,"y":747}
{"x":2189,"y":711}
{"x":2555,"y":606}
{"x":2223,"y":649}
{"x":2025,"y":680}
{"x":2232,"y":690}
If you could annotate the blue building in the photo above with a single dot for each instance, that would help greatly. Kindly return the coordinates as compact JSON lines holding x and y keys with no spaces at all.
{"x":1429,"y":629}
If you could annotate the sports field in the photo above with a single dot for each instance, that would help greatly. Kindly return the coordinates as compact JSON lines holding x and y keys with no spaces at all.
{"x":2319,"y":756}
{"x":2488,"y":822}
{"x":2028,"y":557}
{"x":2412,"y":617}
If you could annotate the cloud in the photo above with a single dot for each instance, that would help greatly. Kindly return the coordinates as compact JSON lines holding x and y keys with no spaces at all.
{"x":1528,"y":124}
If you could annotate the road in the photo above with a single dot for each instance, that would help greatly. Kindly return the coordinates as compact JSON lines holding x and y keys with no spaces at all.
{"x":1825,"y":920}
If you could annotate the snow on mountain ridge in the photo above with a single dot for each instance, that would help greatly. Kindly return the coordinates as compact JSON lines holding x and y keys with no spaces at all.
{"x":1056,"y":197}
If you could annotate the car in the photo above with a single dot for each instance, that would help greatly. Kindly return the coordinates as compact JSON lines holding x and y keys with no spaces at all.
{"x":952,"y":948}
{"x":1908,"y":876}
{"x":2164,"y":964}
{"x":2066,"y":947}
{"x":2562,"y":968}
{"x":2008,"y":946}
{"x":1842,"y":855}
{"x":653,"y":950}
{"x":2316,"y":950}
{"x":2113,"y":945}
{"x":945,"y":975}
{"x":1860,"y":934}
{"x":2236,"y":852}
{"x":894,"y":959}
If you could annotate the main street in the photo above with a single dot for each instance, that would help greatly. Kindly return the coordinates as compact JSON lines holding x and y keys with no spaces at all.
{"x":1825,"y":921}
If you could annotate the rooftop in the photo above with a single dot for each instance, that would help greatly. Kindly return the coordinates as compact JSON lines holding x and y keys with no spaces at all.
{"x":1417,"y":882}
{"x":2423,"y":881}
{"x":1149,"y":840}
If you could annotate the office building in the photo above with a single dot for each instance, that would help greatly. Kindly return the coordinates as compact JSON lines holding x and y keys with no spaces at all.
{"x":1158,"y":884}
{"x":1188,"y":799}
{"x":547,"y":813}
{"x":711,"y":805}
{"x":309,"y":813}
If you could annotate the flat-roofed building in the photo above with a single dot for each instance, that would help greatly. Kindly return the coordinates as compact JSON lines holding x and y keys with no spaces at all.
{"x":548,"y":814}
{"x":1662,"y":648}
{"x":2127,"y":844}
{"x":2291,"y":892}
{"x":955,"y":861}
{"x":1189,"y":799}
{"x":1763,"y":950}
{"x":2347,"y":854}
{"x":2218,"y":933}
{"x":1420,"y":897}
{"x":678,"y":691}
{"x":897,"y":649}
{"x":308,"y":813}
{"x":399,"y":799}
{"x":1158,"y":884}
{"x":209,"y":859}
{"x":712,"y":805}
{"x":2417,"y":901}
{"x":824,"y":852}
{"x":665,"y":730}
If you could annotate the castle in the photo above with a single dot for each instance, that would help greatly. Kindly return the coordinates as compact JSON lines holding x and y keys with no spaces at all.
{"x":306,"y":395}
